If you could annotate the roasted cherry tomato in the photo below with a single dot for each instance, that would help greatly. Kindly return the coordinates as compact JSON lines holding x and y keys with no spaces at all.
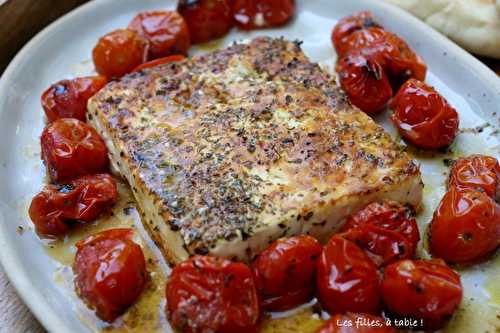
{"x":82,"y":199}
{"x":477,"y":172}
{"x":347,"y":279}
{"x":423,"y":116}
{"x":285,"y":272}
{"x":356,"y":323}
{"x":160,"y":61}
{"x":422,"y":289}
{"x":206,"y":19}
{"x":119,"y":52}
{"x":166,"y":31}
{"x":389,"y":215}
{"x":212,"y":294}
{"x":110,"y":272}
{"x":348,"y":25}
{"x":360,"y":39}
{"x":71,"y":148}
{"x":383,"y":246}
{"x":68,"y":98}
{"x":365,"y":82}
{"x":258,"y":14}
{"x":465,"y":227}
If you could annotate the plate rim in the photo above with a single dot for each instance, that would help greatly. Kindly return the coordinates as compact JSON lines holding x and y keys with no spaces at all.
{"x":16,"y":274}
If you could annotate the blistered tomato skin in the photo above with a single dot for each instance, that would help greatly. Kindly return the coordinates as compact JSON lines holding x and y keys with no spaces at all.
{"x":426,"y":290}
{"x":478,"y":172}
{"x":365,"y":82}
{"x":347,"y":26}
{"x":212,"y":294}
{"x":159,"y":61}
{"x":423,"y":117}
{"x":356,"y":323}
{"x":347,"y":279}
{"x":360,"y":39}
{"x":68,"y":98}
{"x":166,"y":31}
{"x":71,"y":148}
{"x":285,"y":272}
{"x":465,"y":227}
{"x":110,"y":272}
{"x":82,"y":199}
{"x":259,"y":14}
{"x":119,"y":52}
{"x":206,"y":19}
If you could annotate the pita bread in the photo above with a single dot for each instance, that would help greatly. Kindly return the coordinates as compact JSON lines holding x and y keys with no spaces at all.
{"x":473,"y":24}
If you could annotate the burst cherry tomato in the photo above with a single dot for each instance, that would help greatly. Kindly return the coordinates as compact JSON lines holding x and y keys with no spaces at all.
{"x":423,"y":116}
{"x":212,"y":294}
{"x":258,"y":14}
{"x":465,"y":227}
{"x":365,"y":82}
{"x":360,"y":39}
{"x":389,"y":215}
{"x":285,"y":272}
{"x":119,"y":52}
{"x":160,"y":61}
{"x":82,"y":199}
{"x":347,"y":279}
{"x":477,"y":172}
{"x":68,"y":98}
{"x":356,"y":323}
{"x":422,"y":289}
{"x":348,"y":25}
{"x":110,"y":272}
{"x":165,"y":30}
{"x":206,"y":19}
{"x":71,"y":148}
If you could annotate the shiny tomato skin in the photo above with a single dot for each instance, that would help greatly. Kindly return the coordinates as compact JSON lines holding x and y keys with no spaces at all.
{"x":110,"y":272}
{"x":389,"y":215}
{"x":82,"y":199}
{"x":356,"y":323}
{"x":159,"y":61}
{"x":206,"y":19}
{"x":68,"y":98}
{"x":422,"y":289}
{"x":118,"y":52}
{"x":259,"y":14}
{"x":212,"y":294}
{"x":166,"y":31}
{"x":365,"y":82}
{"x":360,"y":39}
{"x":382,"y":245}
{"x":347,"y":26}
{"x":478,"y":172}
{"x":347,"y":279}
{"x":465,"y":227}
{"x":71,"y":148}
{"x":423,"y":117}
{"x":285,"y":272}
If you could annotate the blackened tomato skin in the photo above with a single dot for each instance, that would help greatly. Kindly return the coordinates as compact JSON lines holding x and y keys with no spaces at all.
{"x":478,"y":172}
{"x":259,"y":14}
{"x":365,"y":82}
{"x":110,"y":272}
{"x":212,"y":294}
{"x":347,"y":26}
{"x":206,"y":19}
{"x":465,"y":227}
{"x":166,"y":31}
{"x":68,"y":98}
{"x":285,"y":272}
{"x":82,"y":199}
{"x":159,"y":61}
{"x":426,"y":290}
{"x":356,"y":323}
{"x":119,"y":52}
{"x":347,"y":279}
{"x":423,"y":116}
{"x":71,"y":148}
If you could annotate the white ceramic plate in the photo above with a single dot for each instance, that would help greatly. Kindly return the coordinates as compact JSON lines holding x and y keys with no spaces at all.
{"x":63,"y":50}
